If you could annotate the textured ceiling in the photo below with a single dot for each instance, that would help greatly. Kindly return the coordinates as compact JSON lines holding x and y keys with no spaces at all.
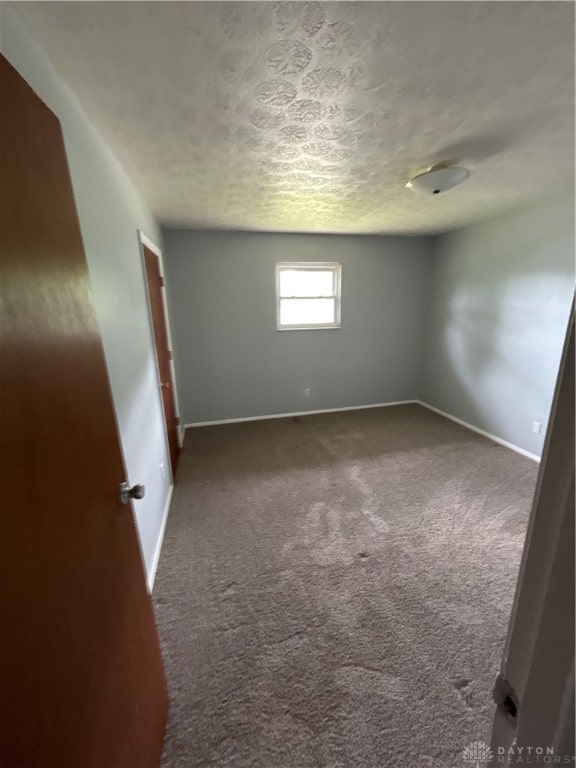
{"x":311,"y":117}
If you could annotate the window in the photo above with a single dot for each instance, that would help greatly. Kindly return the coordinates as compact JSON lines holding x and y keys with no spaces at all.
{"x":308,"y":295}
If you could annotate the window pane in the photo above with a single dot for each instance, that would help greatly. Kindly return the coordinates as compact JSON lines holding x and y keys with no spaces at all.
{"x":306,"y":282}
{"x":306,"y":311}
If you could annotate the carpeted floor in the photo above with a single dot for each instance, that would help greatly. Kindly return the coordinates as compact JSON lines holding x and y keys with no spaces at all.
{"x":334,"y":590}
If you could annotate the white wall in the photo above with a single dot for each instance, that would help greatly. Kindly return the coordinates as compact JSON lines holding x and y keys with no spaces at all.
{"x":110,"y":212}
{"x":500,"y":298}
{"x":231,"y":362}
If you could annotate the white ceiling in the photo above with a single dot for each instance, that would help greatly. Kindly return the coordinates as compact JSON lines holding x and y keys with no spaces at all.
{"x":311,"y":117}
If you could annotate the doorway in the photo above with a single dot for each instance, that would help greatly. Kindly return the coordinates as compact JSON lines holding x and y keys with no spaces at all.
{"x":154,"y":277}
{"x":82,"y":675}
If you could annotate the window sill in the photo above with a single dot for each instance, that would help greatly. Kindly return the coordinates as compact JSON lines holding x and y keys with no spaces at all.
{"x":309,"y":328}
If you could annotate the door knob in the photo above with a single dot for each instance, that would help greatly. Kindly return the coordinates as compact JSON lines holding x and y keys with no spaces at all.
{"x":135,"y":492}
{"x":165,"y":384}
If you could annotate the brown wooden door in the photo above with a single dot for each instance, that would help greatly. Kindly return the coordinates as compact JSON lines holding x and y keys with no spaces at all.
{"x":82,"y":679}
{"x":163,"y":353}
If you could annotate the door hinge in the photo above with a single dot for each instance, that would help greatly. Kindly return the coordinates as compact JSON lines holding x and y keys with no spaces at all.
{"x":170,"y":356}
{"x":177,"y":420}
{"x":161,"y":282}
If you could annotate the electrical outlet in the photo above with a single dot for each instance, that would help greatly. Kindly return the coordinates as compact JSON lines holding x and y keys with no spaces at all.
{"x":307,"y":391}
{"x":536,"y":427}
{"x":162,"y":470}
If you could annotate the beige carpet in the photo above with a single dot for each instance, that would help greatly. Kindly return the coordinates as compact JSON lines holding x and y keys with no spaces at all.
{"x":334,"y":590}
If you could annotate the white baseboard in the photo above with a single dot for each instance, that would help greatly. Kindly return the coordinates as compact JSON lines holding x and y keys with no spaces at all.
{"x":298,"y":413}
{"x":496,"y":439}
{"x":462,"y":423}
{"x":154,"y":568}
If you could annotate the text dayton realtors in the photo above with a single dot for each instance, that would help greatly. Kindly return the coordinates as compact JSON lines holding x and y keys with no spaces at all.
{"x":532,"y":756}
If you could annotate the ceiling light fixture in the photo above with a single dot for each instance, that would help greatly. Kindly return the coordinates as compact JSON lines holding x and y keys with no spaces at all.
{"x":438,"y":179}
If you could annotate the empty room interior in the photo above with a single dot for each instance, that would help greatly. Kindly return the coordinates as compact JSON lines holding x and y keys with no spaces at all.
{"x":328,"y":250}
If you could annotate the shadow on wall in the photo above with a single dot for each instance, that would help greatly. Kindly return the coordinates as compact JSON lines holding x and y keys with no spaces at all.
{"x":482,"y":335}
{"x":497,"y":328}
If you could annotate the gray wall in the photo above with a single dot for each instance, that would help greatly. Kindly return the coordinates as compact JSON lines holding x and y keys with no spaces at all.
{"x":231,"y":362}
{"x":110,"y":212}
{"x":500,"y":300}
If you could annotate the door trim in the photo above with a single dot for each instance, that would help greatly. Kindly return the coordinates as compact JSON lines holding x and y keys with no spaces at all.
{"x":532,"y":651}
{"x":145,"y":241}
{"x":151,"y":577}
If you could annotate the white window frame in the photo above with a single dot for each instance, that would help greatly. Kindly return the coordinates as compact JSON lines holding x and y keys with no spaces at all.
{"x":336,"y":268}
